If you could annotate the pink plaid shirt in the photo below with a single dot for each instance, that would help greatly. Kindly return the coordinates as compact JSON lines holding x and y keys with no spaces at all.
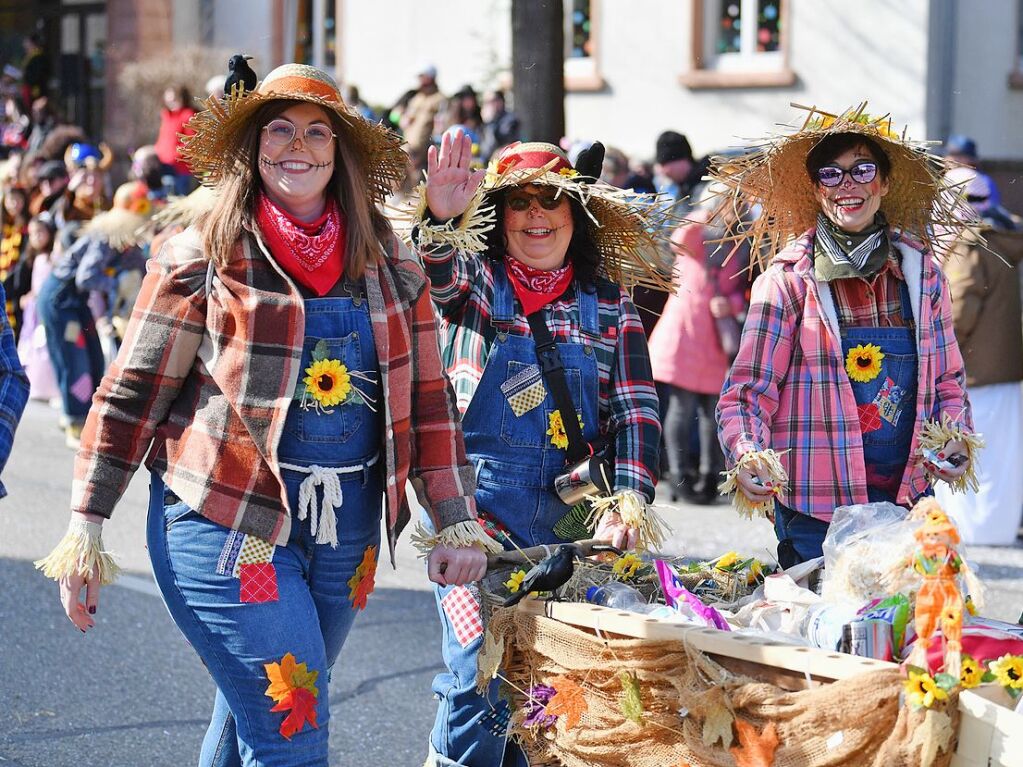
{"x":788,"y":389}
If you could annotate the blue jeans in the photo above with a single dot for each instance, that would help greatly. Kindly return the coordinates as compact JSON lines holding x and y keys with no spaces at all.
{"x":800,"y":536}
{"x":73,"y":344}
{"x":310,"y":619}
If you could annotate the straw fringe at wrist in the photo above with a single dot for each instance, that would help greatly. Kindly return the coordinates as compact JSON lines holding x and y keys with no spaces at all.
{"x":767,"y":459}
{"x":458,"y":536}
{"x":80,"y":552}
{"x":934,"y":435}
{"x":628,"y":504}
{"x":466,"y":233}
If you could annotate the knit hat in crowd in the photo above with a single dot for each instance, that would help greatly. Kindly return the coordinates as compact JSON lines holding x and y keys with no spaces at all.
{"x":672,"y":146}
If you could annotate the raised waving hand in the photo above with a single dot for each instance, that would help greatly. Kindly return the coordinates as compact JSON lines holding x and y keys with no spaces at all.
{"x":449,"y":182}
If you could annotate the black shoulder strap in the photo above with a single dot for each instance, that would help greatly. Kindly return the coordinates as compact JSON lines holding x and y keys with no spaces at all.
{"x":554,"y":375}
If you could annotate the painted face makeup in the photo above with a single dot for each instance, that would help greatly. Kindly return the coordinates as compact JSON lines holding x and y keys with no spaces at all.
{"x":538,"y":234}
{"x":296,"y":172}
{"x":851,"y":189}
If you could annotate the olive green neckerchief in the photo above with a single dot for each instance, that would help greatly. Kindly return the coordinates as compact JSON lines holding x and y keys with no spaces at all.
{"x":832,"y":248}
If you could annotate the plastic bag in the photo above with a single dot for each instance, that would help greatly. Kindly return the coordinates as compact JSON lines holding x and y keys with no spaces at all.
{"x":864,"y":542}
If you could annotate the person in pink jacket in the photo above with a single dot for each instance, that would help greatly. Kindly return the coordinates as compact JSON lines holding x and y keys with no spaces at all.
{"x":694,"y":344}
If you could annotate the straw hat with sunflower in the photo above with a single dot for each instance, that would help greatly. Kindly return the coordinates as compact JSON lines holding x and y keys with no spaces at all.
{"x":213,"y":150}
{"x":627,"y":228}
{"x":772,"y":178}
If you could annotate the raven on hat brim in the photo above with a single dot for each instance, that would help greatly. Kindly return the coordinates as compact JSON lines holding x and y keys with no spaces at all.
{"x":212,"y":151}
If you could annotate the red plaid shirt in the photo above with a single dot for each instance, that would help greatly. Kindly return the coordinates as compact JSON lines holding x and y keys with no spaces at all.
{"x":205,"y":377}
{"x":873,"y":303}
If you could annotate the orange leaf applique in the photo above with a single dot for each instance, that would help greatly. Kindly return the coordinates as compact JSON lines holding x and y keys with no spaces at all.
{"x":360,"y":585}
{"x":755,"y":749}
{"x":568,"y":700}
{"x":293,"y":687}
{"x":303,"y":709}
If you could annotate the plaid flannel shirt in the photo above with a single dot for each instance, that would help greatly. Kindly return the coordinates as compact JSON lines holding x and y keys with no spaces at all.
{"x":462,"y":286}
{"x":13,"y":389}
{"x":205,"y":377}
{"x":788,"y":389}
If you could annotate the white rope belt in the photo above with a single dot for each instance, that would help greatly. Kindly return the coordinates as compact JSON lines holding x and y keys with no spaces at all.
{"x":323,"y":518}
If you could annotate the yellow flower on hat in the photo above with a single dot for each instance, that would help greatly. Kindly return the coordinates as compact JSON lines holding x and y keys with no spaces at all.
{"x":863,"y":362}
{"x":568,"y":172}
{"x":922,"y":690}
{"x":328,"y":382}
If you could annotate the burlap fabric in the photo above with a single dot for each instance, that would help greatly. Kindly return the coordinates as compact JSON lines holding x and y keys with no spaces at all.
{"x":857,"y":722}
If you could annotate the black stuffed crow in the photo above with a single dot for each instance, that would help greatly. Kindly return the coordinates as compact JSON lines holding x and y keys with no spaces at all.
{"x":553,"y":572}
{"x":240,"y":75}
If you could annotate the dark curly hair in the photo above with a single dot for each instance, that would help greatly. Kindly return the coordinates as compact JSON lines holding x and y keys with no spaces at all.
{"x":582,"y":248}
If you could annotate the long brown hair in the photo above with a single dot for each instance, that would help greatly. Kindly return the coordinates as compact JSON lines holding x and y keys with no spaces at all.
{"x":234,"y":212}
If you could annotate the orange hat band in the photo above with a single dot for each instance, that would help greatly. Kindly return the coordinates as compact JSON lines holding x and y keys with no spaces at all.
{"x":298,"y":84}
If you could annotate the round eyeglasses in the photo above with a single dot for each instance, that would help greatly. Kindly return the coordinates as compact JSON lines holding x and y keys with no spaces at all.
{"x":281,"y":132}
{"x":834,"y":175}
{"x":521,"y":201}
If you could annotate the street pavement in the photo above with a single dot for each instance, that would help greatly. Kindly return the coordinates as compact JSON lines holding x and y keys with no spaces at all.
{"x":131,"y":692}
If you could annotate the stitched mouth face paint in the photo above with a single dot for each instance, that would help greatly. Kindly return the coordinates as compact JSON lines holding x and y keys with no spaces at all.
{"x":264,"y":160}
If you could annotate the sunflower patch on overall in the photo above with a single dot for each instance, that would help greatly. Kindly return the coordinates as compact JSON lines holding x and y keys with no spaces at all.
{"x":360,"y":585}
{"x":556,"y":429}
{"x":329,"y":383}
{"x":863,"y":362}
{"x":292,"y":688}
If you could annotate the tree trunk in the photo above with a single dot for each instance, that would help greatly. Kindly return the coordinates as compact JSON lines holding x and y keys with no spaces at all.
{"x":538,"y":68}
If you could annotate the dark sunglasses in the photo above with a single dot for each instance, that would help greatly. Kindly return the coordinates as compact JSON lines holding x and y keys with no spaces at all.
{"x":833,"y":175}
{"x":520,"y":201}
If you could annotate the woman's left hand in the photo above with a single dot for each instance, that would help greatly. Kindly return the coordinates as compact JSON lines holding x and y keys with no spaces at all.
{"x":449,"y":566}
{"x":950,"y":474}
{"x":612,"y":528}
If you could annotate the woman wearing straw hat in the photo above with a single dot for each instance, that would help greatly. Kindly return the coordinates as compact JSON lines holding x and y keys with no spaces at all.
{"x":282,"y":369}
{"x":848,"y":386}
{"x":535,"y":240}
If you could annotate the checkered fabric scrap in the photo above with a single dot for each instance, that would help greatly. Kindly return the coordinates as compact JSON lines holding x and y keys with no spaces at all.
{"x":463,"y":611}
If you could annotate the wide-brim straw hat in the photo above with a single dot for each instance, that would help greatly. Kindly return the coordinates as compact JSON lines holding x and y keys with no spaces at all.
{"x":771,"y":179}
{"x":629,"y":229}
{"x":213,"y":151}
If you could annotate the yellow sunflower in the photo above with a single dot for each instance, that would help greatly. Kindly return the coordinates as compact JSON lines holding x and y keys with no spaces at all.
{"x":556,"y":430}
{"x":726,"y":560}
{"x":863,"y":362}
{"x":922,"y":690}
{"x":970,"y":672}
{"x":514,"y":582}
{"x":328,"y":382}
{"x":1009,"y":671}
{"x":626,"y":565}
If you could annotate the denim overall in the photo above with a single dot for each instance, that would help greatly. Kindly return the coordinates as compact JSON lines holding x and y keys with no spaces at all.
{"x":335,"y":455}
{"x":887,"y":433}
{"x":515,"y":467}
{"x":73,"y":343}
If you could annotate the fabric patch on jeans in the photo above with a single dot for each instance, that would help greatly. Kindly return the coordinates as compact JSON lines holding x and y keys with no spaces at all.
{"x":259,"y":583}
{"x":254,"y":550}
{"x":82,"y":388}
{"x":888,"y":400}
{"x":525,"y":390}
{"x":463,"y":611}
{"x":229,"y":554}
{"x":496,"y":720}
{"x":72,"y":331}
{"x":870,"y":418}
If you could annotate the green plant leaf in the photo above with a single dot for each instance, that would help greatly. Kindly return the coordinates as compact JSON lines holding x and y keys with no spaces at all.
{"x":321,"y":351}
{"x":946,"y":682}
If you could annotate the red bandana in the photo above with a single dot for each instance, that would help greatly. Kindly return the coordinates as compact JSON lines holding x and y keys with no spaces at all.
{"x":535,"y":288}
{"x":311,"y":253}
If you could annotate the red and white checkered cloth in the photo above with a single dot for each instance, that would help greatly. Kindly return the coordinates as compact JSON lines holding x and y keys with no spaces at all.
{"x":259,"y":583}
{"x":463,"y":611}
